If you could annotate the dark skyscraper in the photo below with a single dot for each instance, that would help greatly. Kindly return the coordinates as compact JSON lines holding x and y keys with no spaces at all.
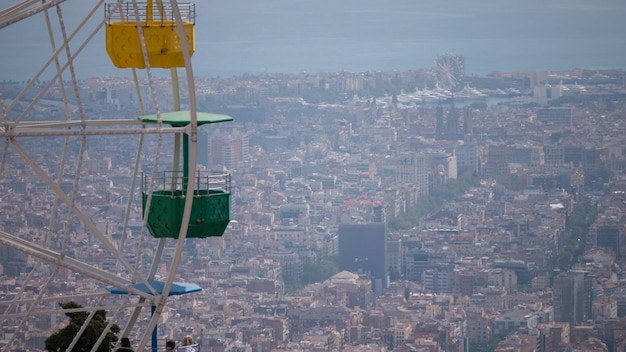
{"x":572,"y":297}
{"x":363,"y":249}
{"x":608,"y":236}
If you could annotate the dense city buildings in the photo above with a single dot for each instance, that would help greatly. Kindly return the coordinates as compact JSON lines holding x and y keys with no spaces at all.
{"x":488,"y":217}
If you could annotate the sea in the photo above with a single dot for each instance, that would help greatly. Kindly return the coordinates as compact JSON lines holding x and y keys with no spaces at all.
{"x":236,"y":37}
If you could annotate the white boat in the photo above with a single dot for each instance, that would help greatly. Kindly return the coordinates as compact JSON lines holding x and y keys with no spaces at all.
{"x":470,"y":93}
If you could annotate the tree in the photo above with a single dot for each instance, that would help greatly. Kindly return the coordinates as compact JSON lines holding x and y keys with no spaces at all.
{"x":434,"y":201}
{"x":319,"y":272}
{"x":573,"y":241}
{"x":61,"y":340}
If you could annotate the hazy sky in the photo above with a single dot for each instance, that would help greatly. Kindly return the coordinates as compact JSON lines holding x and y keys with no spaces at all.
{"x":237,"y":36}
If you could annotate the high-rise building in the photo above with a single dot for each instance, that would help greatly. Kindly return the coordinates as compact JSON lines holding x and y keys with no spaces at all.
{"x":496,"y":166}
{"x":452,"y":123}
{"x":439,"y":127}
{"x":231,"y":150}
{"x":203,"y":147}
{"x":608,"y":236}
{"x":415,"y":263}
{"x":412,"y":168}
{"x":379,"y":213}
{"x":394,"y":257}
{"x":541,"y":93}
{"x":524,"y":275}
{"x":478,"y":328}
{"x":467,"y":120}
{"x":438,"y":278}
{"x":467,"y":154}
{"x":572,"y":297}
{"x":363,"y":249}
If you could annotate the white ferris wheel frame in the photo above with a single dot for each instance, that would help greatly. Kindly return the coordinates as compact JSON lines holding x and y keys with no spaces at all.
{"x":13,"y":131}
{"x":445,"y":66}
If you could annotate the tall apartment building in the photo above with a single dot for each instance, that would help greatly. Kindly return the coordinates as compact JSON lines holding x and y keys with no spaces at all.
{"x":467,"y":154}
{"x":496,"y":165}
{"x":228,"y":149}
{"x":401,"y":333}
{"x":415,"y":263}
{"x":438,"y":278}
{"x":478,"y":328}
{"x":290,"y":263}
{"x":413,"y":168}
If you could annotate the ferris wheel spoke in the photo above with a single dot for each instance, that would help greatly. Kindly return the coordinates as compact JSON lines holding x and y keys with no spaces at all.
{"x":449,"y":71}
{"x":68,"y":202}
{"x":24,"y":10}
{"x":53,"y":57}
{"x":67,"y":262}
{"x":51,"y":153}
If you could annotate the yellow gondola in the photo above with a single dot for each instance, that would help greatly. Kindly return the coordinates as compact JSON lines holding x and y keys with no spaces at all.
{"x":158,"y":26}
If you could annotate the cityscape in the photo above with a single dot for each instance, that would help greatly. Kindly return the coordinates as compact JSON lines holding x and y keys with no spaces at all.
{"x":336,"y":181}
{"x":428,"y":209}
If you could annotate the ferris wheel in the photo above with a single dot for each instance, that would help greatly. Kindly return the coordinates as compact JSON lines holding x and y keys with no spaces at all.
{"x":449,"y":70}
{"x":90,"y":213}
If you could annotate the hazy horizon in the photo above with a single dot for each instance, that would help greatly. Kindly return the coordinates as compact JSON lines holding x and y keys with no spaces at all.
{"x":246,"y":36}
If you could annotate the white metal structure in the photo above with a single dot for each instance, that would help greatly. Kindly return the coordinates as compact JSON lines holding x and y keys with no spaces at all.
{"x":449,"y":71}
{"x":70,"y":224}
